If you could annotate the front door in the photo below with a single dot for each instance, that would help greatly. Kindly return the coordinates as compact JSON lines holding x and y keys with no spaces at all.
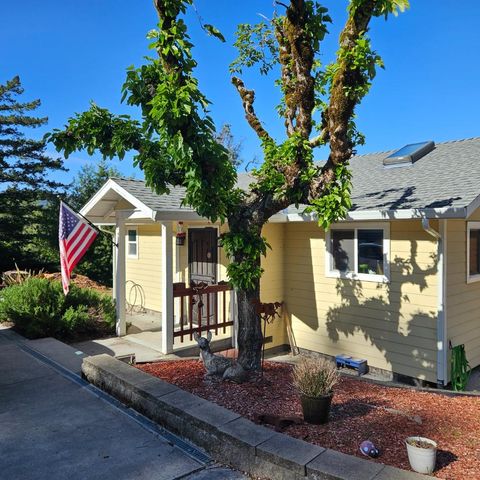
{"x":202,"y":267}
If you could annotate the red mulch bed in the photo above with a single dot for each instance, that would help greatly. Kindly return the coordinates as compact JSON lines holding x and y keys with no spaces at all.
{"x":360,"y":411}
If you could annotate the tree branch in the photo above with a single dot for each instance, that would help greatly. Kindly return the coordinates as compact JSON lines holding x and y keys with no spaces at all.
{"x":302,"y":98}
{"x":341,"y":107}
{"x":248,"y":97}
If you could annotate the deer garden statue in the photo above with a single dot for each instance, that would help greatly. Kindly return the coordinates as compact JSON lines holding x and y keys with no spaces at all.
{"x":217,"y":364}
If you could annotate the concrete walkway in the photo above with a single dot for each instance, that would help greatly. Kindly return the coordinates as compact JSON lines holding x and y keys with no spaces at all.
{"x":146,"y":346}
{"x":53,"y":425}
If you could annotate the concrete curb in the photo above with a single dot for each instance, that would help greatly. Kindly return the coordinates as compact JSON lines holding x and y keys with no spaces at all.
{"x":228,"y":437}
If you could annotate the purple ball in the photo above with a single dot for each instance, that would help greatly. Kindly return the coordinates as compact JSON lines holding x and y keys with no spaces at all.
{"x":369,"y":449}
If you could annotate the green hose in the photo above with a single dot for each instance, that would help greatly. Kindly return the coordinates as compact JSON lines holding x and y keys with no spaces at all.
{"x":460,"y":368}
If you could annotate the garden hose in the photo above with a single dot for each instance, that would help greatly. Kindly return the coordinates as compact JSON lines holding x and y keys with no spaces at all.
{"x":460,"y":368}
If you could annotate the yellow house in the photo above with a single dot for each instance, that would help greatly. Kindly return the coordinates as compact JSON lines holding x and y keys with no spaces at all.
{"x":396,"y":283}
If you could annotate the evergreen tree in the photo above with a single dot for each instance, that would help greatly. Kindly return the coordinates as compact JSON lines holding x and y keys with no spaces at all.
{"x":97,"y":261}
{"x":26,"y":186}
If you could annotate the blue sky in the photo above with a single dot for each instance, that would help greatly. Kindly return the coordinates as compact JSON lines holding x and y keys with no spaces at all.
{"x":70,"y":52}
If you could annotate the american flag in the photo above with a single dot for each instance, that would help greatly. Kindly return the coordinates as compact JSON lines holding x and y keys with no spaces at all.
{"x":75,"y":236}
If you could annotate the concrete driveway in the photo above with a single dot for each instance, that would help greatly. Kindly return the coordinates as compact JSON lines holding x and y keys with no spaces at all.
{"x":55,"y":426}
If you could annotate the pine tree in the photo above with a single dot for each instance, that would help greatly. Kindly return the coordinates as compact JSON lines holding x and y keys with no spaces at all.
{"x":27,"y":190}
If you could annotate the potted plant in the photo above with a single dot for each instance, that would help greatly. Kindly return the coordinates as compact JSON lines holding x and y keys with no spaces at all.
{"x":315,"y":378}
{"x":422,"y":454}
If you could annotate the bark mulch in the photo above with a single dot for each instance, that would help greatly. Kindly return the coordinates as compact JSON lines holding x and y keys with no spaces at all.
{"x":360,"y":411}
{"x":79,"y":280}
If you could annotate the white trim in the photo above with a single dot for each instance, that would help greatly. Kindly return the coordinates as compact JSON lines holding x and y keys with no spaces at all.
{"x":167,"y":287}
{"x":110,"y":184}
{"x":471,"y":226}
{"x":175,"y":215}
{"x":474,"y":205}
{"x":128,"y":242}
{"x":385,"y":278}
{"x":441,"y":326}
{"x":442,"y":294}
{"x":385,"y":215}
{"x":120,"y":277}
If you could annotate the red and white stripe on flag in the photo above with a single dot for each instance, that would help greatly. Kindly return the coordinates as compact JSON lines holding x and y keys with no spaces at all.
{"x":75,"y":235}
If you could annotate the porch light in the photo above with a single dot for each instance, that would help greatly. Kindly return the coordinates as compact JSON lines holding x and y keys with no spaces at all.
{"x":180,"y":234}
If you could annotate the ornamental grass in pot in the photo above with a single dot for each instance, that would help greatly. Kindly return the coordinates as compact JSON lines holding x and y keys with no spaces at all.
{"x":314,"y":379}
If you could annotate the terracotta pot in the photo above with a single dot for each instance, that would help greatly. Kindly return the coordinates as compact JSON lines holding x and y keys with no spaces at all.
{"x":316,"y":409}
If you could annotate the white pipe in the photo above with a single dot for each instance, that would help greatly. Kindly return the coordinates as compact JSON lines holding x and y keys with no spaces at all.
{"x":441,"y":314}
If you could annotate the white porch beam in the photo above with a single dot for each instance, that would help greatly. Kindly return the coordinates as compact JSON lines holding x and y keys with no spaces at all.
{"x":120,"y":276}
{"x":167,"y":287}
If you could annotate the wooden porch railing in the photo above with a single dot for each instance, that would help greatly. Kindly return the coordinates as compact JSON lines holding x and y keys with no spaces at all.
{"x":201,"y":308}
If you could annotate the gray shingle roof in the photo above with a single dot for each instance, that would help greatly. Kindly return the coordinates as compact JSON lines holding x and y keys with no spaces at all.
{"x":449,"y":176}
{"x":138,"y":189}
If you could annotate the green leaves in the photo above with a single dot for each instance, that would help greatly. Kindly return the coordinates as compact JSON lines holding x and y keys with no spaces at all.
{"x":98,"y":129}
{"x":211,"y":30}
{"x":335,"y":202}
{"x":382,"y":7}
{"x":246,"y":248}
{"x":256,"y":44}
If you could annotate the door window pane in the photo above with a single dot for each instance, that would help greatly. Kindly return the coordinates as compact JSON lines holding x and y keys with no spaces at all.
{"x":474,"y":252}
{"x":370,"y":252}
{"x":343,"y":250}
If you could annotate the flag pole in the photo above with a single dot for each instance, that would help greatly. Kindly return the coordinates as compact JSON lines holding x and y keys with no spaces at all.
{"x":88,"y":221}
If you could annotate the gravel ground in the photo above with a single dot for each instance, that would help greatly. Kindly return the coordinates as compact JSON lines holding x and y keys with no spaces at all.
{"x":360,"y":411}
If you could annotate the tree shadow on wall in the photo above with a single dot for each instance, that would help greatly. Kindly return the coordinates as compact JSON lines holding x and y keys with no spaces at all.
{"x":405,"y":339}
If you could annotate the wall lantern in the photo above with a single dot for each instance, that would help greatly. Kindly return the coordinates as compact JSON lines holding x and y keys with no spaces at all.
{"x":180,"y":234}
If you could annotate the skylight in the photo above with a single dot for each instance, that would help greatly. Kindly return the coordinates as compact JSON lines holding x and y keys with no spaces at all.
{"x":408,"y":154}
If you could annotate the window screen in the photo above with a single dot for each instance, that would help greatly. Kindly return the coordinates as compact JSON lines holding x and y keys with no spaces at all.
{"x":343,"y":250}
{"x":370,"y":251}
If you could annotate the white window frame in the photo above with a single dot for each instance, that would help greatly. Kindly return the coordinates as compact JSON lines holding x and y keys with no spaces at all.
{"x":471,"y":226}
{"x":128,"y":242}
{"x":367,"y":277}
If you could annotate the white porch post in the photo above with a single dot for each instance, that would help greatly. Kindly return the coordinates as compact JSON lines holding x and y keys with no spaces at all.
{"x":167,"y":288}
{"x":120,"y":276}
{"x":114,"y":266}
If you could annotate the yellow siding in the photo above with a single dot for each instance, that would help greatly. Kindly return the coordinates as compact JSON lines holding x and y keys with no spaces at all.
{"x":391,"y":325}
{"x":146,"y":270}
{"x":463,"y":299}
{"x":272,"y":283}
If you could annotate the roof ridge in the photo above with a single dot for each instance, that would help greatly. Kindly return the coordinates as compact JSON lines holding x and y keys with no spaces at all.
{"x":128,"y":179}
{"x":458,"y":140}
{"x":383,"y":152}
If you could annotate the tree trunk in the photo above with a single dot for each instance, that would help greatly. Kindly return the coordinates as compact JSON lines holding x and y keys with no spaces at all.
{"x":250,"y":338}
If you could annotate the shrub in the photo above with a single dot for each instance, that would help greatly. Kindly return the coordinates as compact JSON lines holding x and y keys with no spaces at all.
{"x":315,"y":377}
{"x":38,"y":308}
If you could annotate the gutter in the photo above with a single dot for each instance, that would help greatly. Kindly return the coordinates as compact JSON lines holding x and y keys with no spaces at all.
{"x":442,"y":342}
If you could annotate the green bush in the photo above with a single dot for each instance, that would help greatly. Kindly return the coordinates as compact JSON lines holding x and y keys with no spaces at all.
{"x":38,"y":308}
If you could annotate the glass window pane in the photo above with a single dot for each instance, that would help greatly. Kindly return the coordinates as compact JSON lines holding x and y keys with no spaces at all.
{"x":132,"y":249}
{"x":343,"y":248}
{"x":132,"y":235}
{"x":370,"y":251}
{"x":474,"y":252}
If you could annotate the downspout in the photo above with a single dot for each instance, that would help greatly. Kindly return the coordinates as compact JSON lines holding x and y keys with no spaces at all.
{"x":442,"y":343}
